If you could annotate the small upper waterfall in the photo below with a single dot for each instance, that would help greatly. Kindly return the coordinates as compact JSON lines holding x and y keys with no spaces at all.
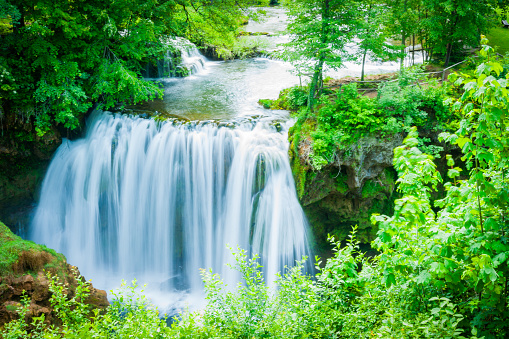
{"x":181,"y":58}
{"x":157,"y":201}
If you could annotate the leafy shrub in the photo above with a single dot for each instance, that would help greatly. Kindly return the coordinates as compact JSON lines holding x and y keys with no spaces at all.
{"x":129,"y":316}
{"x":255,"y":310}
{"x":291,"y":99}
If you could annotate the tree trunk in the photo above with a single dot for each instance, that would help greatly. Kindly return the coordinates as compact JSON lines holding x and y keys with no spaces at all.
{"x":314,"y":82}
{"x":449,"y":45}
{"x":403,"y":37}
{"x":363,"y":63}
{"x":448,"y":55}
{"x":413,"y":49}
{"x":403,"y":41}
{"x":317,"y":74}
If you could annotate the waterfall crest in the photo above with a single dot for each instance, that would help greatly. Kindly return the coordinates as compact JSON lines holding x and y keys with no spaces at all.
{"x":157,"y":201}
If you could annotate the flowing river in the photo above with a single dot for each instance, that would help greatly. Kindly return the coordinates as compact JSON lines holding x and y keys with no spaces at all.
{"x":156,"y":201}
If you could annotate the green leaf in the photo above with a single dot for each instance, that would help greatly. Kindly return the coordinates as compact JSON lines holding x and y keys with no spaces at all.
{"x":389,"y":279}
{"x":500,"y":258}
{"x":423,"y":278}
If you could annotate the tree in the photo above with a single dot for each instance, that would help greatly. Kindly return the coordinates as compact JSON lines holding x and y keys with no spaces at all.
{"x":457,"y":22}
{"x":373,"y":34}
{"x":459,"y":248}
{"x":320,"y":31}
{"x":402,"y":19}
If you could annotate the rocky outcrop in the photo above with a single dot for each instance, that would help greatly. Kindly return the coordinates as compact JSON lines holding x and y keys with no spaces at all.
{"x":24,"y":268}
{"x":360,"y":181}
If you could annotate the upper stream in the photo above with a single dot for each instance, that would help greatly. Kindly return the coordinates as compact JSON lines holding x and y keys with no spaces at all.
{"x":157,"y":201}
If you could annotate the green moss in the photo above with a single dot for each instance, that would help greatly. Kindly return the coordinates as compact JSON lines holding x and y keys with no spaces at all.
{"x":299,"y":174}
{"x":299,"y":171}
{"x":266,"y":103}
{"x":18,"y":256}
{"x":12,"y":308}
{"x":341,"y":183}
{"x":371,"y":189}
{"x":291,"y":99}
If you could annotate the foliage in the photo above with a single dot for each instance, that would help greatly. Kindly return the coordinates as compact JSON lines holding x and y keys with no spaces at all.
{"x":456,"y":22}
{"x":345,"y":116}
{"x":255,"y":310}
{"x":129,"y":316}
{"x":442,"y":27}
{"x":244,"y":47}
{"x":320,"y":31}
{"x":292,"y":99}
{"x":373,"y":35}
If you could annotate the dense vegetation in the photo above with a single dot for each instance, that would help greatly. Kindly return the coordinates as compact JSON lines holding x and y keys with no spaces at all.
{"x":441,"y":271}
{"x":342,"y":115}
{"x":19,"y":256}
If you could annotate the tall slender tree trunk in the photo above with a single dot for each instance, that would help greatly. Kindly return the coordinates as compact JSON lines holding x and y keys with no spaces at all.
{"x":403,"y":42}
{"x":448,"y":55}
{"x":403,"y":37}
{"x":314,"y":82}
{"x":413,"y":49}
{"x":317,"y":74}
{"x":449,"y":45}
{"x":363,"y":63}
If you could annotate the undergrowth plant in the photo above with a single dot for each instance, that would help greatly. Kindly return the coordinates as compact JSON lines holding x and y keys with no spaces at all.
{"x":129,"y":316}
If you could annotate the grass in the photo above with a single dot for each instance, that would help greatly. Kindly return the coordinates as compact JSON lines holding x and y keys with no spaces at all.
{"x":499,"y":37}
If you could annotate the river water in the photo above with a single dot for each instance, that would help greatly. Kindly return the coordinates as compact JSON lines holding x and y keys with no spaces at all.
{"x":158,"y":201}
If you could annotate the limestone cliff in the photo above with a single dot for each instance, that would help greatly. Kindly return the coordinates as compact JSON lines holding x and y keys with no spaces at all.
{"x":358,"y":182}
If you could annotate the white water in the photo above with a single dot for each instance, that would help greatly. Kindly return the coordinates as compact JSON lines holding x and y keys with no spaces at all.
{"x":191,"y":61}
{"x":157,"y":202}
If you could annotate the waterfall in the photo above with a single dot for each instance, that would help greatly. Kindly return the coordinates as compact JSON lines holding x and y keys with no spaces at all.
{"x":192,"y":60}
{"x":181,"y":59}
{"x":157,"y":201}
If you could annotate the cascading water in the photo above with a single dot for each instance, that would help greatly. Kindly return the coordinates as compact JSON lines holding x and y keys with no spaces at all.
{"x":192,"y":60}
{"x":182,"y":58}
{"x":158,"y":201}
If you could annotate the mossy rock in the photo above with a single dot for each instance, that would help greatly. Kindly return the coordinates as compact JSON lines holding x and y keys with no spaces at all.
{"x":18,"y":256}
{"x":347,"y":192}
{"x":26,"y":268}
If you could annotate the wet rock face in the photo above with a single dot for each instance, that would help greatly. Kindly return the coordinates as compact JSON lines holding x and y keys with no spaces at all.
{"x":359,"y":182}
{"x":367,"y":159}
